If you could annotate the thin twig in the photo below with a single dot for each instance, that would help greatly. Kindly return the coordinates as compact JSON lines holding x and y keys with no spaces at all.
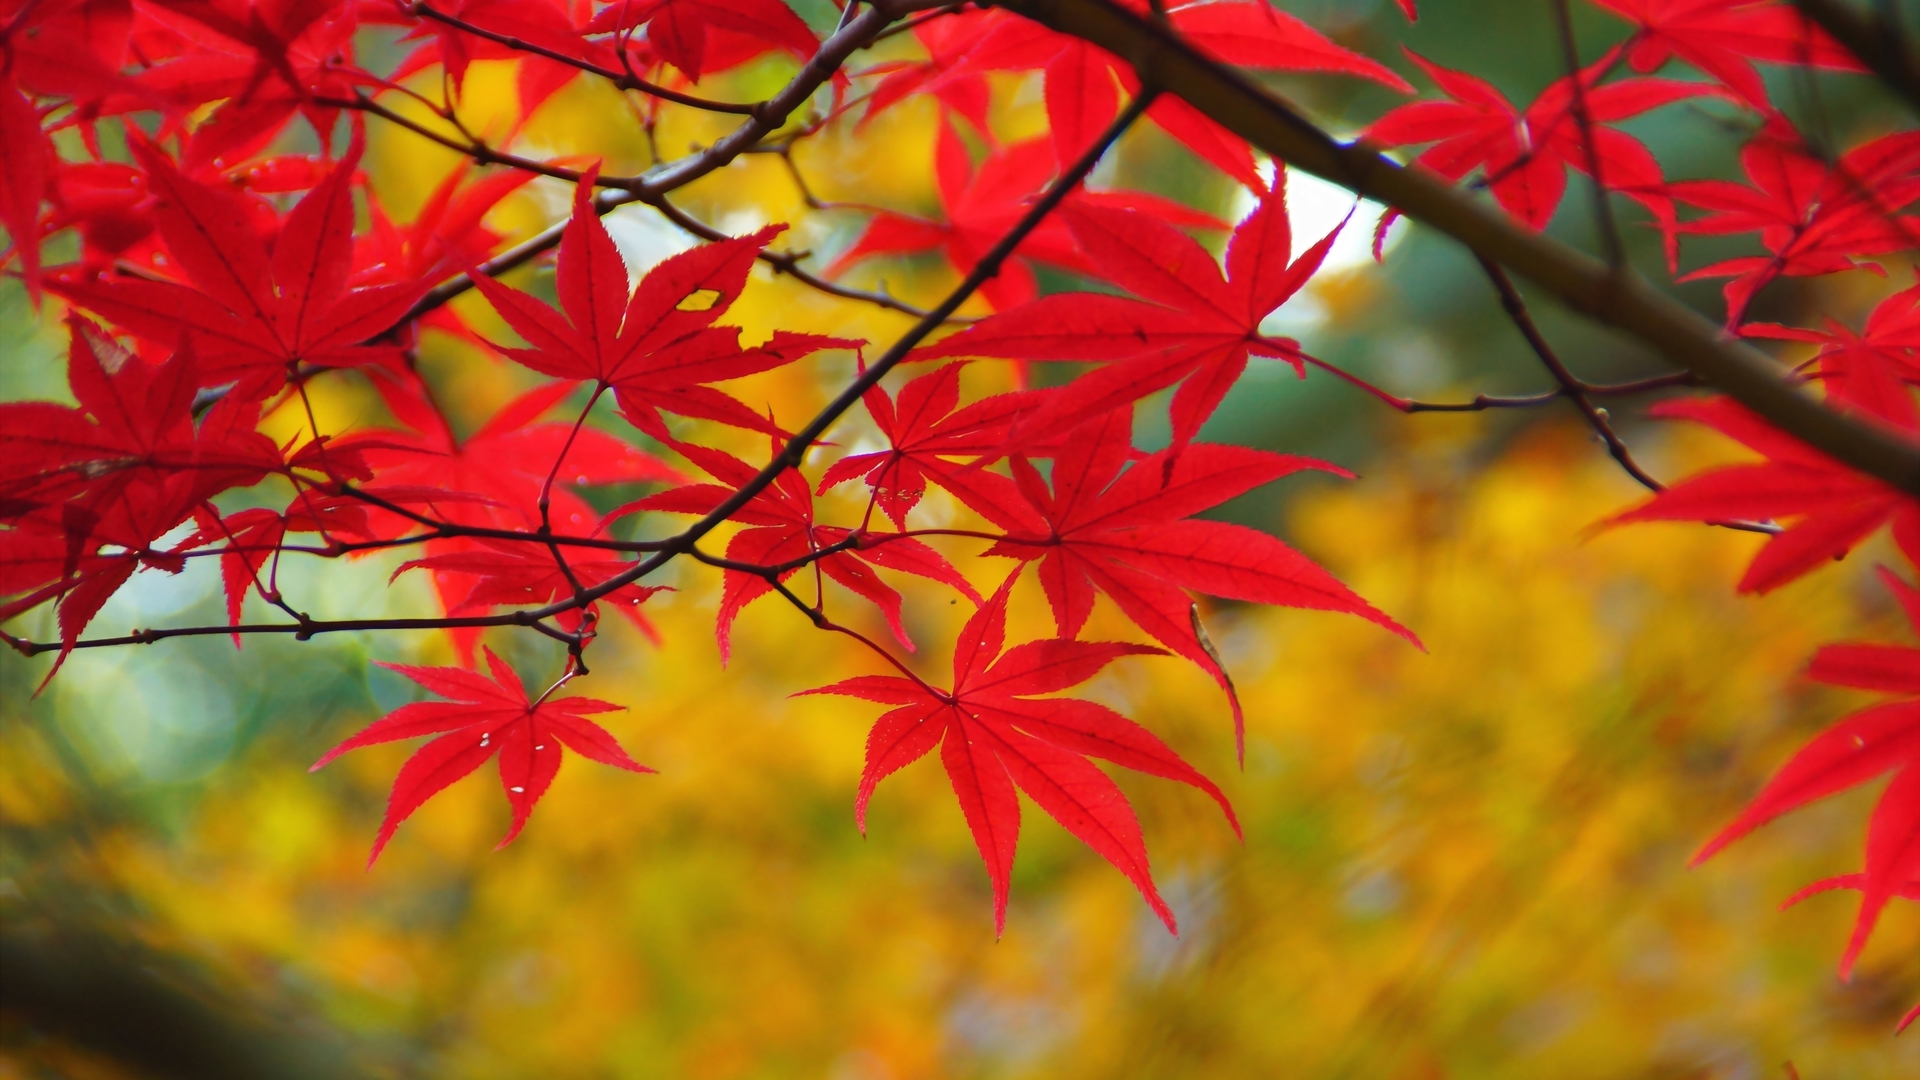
{"x":1604,"y":222}
{"x":1483,"y":402}
{"x":1516,"y":308}
{"x":795,"y":449}
{"x":770,"y":115}
{"x":1575,"y":391}
{"x":624,"y":80}
{"x":788,"y":263}
{"x":789,"y":457}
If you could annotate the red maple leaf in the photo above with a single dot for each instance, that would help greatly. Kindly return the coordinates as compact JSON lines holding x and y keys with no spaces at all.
{"x":23,"y":180}
{"x":1099,"y":529}
{"x":980,"y":206}
{"x":1080,"y":79}
{"x":1813,"y":217}
{"x":994,"y":735}
{"x":1830,"y":507}
{"x":73,"y":49}
{"x":659,"y":350}
{"x":1190,"y":322}
{"x":483,"y":718}
{"x":263,"y":60}
{"x":923,"y":430}
{"x":254,"y":317}
{"x":525,"y":574}
{"x":506,"y":462}
{"x":946,"y":73}
{"x":1888,"y":348}
{"x":449,"y":229}
{"x":1858,"y":883}
{"x":1524,"y":155}
{"x":700,"y":36}
{"x":1852,"y":752}
{"x":1723,"y":37}
{"x":86,"y":492}
{"x":782,"y":529}
{"x":495,"y":476}
{"x":109,"y":204}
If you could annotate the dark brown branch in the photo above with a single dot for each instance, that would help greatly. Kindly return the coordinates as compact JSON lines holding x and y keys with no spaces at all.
{"x":795,"y":449}
{"x":1880,"y":44}
{"x":1576,"y":391}
{"x":767,"y":118}
{"x":300,"y":630}
{"x":789,"y":457}
{"x":1619,"y":298}
{"x":788,"y":263}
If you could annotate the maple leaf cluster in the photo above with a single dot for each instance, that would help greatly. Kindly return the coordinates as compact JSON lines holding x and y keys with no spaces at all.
{"x":225,"y":283}
{"x":212,"y":281}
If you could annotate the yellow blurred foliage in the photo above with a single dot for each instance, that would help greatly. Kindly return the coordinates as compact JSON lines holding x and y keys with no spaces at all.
{"x":1463,"y":863}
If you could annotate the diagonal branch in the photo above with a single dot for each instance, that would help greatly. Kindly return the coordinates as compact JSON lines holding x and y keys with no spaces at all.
{"x":1877,"y":40}
{"x":790,"y":456}
{"x":683,"y":543}
{"x":767,"y":118}
{"x":1575,"y":391}
{"x":786,"y":262}
{"x":1618,"y":298}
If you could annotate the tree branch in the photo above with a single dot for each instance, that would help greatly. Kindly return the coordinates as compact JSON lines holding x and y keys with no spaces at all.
{"x":796,"y":447}
{"x":683,"y":543}
{"x":1879,"y":43}
{"x":619,"y":79}
{"x":767,"y":118}
{"x":786,"y":262}
{"x":1483,"y":402}
{"x":1575,"y":391}
{"x":1602,"y":205}
{"x":1620,"y":299}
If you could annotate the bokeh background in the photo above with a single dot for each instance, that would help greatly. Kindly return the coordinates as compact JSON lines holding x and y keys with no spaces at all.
{"x":1464,"y":863}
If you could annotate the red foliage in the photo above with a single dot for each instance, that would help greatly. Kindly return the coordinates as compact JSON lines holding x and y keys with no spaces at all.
{"x":1190,"y":325}
{"x":1524,"y":155}
{"x":484,"y":718}
{"x":981,"y":205}
{"x":659,"y":349}
{"x":223,"y":297}
{"x":994,"y":735}
{"x":1858,"y":749}
{"x":1813,"y":217}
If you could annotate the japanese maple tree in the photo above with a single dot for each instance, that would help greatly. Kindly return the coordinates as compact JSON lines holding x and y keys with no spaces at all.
{"x":190,"y":183}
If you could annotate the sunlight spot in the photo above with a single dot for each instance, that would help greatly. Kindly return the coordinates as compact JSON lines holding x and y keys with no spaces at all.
{"x":644,"y":238}
{"x":699,"y":300}
{"x":1315,"y":207}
